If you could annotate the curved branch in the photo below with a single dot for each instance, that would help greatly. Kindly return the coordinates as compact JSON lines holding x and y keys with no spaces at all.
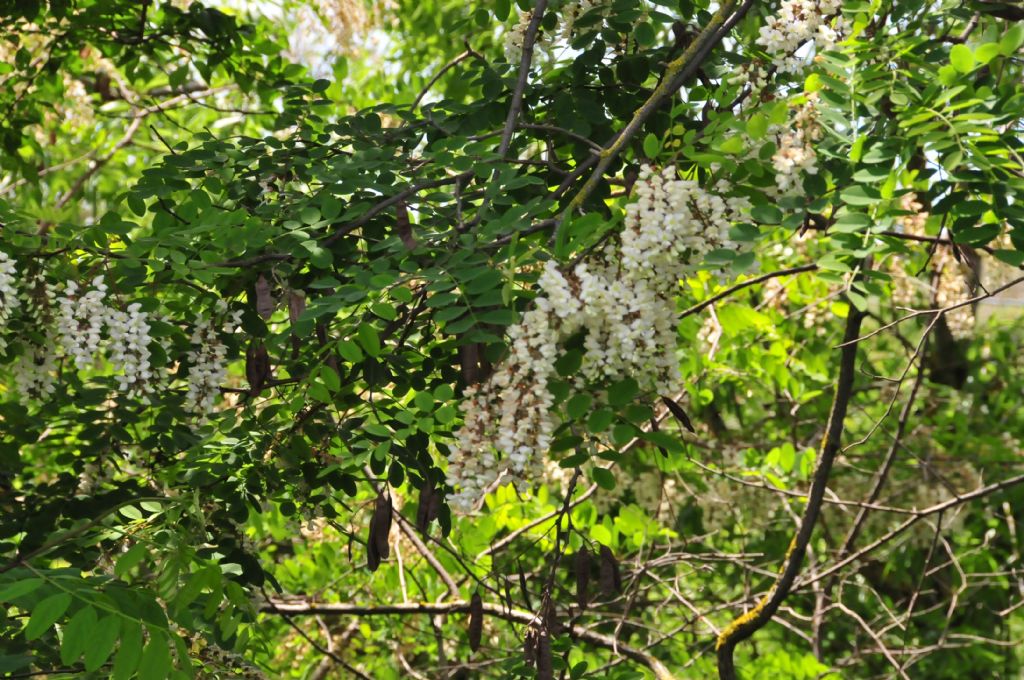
{"x":748,"y":624}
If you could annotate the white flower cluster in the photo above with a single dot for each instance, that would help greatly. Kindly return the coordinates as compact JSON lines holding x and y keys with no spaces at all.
{"x":80,"y":318}
{"x":515,"y":36}
{"x":572,"y":11}
{"x":208,"y":359}
{"x":8,"y":294}
{"x":510,"y":413}
{"x":624,"y":297}
{"x":129,"y":339}
{"x":794,"y":151}
{"x":34,"y":372}
{"x":800,"y":22}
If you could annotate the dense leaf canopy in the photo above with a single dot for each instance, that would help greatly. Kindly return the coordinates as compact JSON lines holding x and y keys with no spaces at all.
{"x":576,"y":338}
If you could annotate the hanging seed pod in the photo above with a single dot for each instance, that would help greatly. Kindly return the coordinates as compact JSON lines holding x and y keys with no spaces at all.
{"x":434,"y":509}
{"x":257,"y":366}
{"x":423,"y":509}
{"x":679,"y":414}
{"x":530,"y":647}
{"x":372,"y":556}
{"x":403,"y":228}
{"x":545,"y":667}
{"x":429,"y":507}
{"x":476,"y":621}
{"x":382,"y":524}
{"x":581,"y":565}
{"x":611,"y":579}
{"x":265,"y":303}
{"x":296,"y":304}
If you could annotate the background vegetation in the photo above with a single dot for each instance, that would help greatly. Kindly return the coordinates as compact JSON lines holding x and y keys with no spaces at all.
{"x":253,"y":256}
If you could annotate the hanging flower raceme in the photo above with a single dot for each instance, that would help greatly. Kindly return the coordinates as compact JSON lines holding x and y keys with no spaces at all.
{"x":34,"y":372}
{"x":129,"y":350}
{"x":795,"y":152}
{"x":624,"y":297}
{"x":80,"y":319}
{"x":208,"y":360}
{"x":797,"y":23}
{"x":8,"y":294}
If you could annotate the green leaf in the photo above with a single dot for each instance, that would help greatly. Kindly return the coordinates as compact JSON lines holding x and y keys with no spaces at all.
{"x":962,"y":58}
{"x":350,"y":351}
{"x":599,"y":420}
{"x":757,"y":126}
{"x":1012,"y":40}
{"x":499,"y":317}
{"x":310,"y":214}
{"x":732,"y":145}
{"x":604,"y":478}
{"x":330,"y":379}
{"x":77,"y":635}
{"x":127,"y":561}
{"x":46,"y":613}
{"x":766,"y":213}
{"x":424,"y":401}
{"x":102,"y":642}
{"x":366,"y":336}
{"x":623,"y":392}
{"x":578,"y":405}
{"x":136,"y":204}
{"x":569,"y":363}
{"x":652,"y":145}
{"x":155,"y":663}
{"x":645,"y":35}
{"x":19,"y":589}
{"x":129,"y":652}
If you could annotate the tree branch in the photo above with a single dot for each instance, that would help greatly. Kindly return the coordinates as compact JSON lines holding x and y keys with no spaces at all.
{"x":748,"y":624}
{"x":659,"y":669}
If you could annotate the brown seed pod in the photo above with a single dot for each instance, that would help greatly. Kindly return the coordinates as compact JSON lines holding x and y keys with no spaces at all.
{"x":423,"y":509}
{"x":372,"y":556}
{"x":257,"y":366}
{"x":434,"y":509}
{"x":530,"y":647}
{"x":265,"y":303}
{"x":679,"y":413}
{"x":296,"y":304}
{"x":476,"y":621}
{"x":581,"y":565}
{"x":545,"y":668}
{"x":403,"y":228}
{"x":382,"y":525}
{"x":611,"y":579}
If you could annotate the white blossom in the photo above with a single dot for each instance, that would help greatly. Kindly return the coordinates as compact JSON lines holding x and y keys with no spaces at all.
{"x":80,"y":319}
{"x":34,"y":373}
{"x":8,"y":294}
{"x":514,"y":38}
{"x":794,"y":153}
{"x":129,"y":350}
{"x":797,"y":23}
{"x":625,"y":299}
{"x":208,"y":359}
